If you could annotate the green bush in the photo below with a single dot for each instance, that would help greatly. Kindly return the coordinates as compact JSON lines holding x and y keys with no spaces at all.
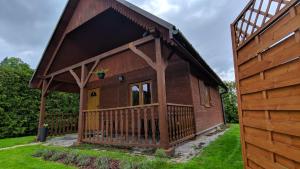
{"x":160,"y":153}
{"x":147,"y":164}
{"x":48,"y":154}
{"x":102,"y":163}
{"x":230,"y":103}
{"x":70,"y":158}
{"x":57,"y":156}
{"x":39,"y":153}
{"x":19,"y":105}
{"x":128,"y":165}
{"x":83,"y":160}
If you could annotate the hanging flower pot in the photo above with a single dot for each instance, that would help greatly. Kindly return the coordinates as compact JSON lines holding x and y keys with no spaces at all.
{"x":101,"y":73}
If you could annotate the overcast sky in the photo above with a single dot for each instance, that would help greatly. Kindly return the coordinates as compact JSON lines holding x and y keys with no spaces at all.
{"x":26,"y":27}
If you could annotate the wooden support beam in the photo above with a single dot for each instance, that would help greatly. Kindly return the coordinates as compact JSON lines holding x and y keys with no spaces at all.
{"x":102,"y":56}
{"x":91,"y":72}
{"x":82,"y":103}
{"x":78,"y":80}
{"x":162,"y":96}
{"x":142,"y":55}
{"x":45,"y":91}
{"x":42,"y":108}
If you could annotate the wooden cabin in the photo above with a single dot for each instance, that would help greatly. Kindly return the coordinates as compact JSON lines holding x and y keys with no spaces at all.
{"x":157,"y":90}
{"x":266,"y":47}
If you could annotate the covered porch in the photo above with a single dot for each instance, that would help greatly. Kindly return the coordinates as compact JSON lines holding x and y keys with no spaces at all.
{"x":156,"y":123}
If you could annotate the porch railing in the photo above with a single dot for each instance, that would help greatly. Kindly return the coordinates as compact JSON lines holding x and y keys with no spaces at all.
{"x":138,"y":125}
{"x":181,"y":123}
{"x":127,"y":126}
{"x":61,"y":123}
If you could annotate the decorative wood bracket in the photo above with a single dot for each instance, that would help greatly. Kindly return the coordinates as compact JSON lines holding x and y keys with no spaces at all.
{"x":142,"y":55}
{"x":91,"y":72}
{"x":78,"y":81}
{"x":47,"y":85}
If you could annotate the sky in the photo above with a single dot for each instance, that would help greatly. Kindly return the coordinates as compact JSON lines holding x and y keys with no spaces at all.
{"x":27,"y":25}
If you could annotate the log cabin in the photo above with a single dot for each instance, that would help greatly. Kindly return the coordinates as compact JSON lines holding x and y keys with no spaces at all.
{"x":155,"y":90}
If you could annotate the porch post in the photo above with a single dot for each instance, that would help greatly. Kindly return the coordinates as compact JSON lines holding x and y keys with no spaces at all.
{"x":161,"y":93}
{"x":83,"y":103}
{"x":42,"y":107}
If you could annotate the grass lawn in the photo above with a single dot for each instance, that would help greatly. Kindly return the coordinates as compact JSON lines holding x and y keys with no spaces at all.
{"x":224,"y":153}
{"x":9,"y":142}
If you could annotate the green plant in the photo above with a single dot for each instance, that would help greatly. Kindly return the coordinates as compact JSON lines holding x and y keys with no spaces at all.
{"x":19,"y":104}
{"x":70,"y":158}
{"x":39,"y":153}
{"x":147,"y":164}
{"x":83,"y":160}
{"x":102,"y":163}
{"x":102,"y":71}
{"x":160,"y":153}
{"x":47,"y":154}
{"x":230,"y":103}
{"x":57,"y":156}
{"x":129,"y":165}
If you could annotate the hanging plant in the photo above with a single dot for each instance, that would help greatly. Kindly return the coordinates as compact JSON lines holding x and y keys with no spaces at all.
{"x":101,"y":73}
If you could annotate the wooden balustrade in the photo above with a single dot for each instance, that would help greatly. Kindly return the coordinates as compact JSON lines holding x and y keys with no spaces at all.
{"x":62,"y":123}
{"x":181,"y":123}
{"x":127,"y":126}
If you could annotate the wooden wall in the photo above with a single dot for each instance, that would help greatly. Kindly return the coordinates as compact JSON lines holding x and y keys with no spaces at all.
{"x":206,"y":117}
{"x":116,"y":94}
{"x":267,"y":67}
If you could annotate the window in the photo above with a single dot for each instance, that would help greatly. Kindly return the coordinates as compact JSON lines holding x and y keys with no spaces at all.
{"x":140,"y":93}
{"x":205,"y":97}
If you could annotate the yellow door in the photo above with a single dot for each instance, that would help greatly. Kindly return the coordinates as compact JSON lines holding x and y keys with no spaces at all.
{"x":93,"y":99}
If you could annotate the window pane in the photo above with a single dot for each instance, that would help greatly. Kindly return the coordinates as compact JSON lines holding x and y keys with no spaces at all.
{"x":135,"y":94}
{"x":147,"y":93}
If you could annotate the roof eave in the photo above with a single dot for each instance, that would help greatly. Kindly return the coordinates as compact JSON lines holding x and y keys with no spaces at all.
{"x":183,"y":40}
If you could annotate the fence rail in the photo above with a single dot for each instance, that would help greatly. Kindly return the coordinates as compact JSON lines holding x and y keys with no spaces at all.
{"x":181,"y":123}
{"x":127,"y":126}
{"x":62,"y":123}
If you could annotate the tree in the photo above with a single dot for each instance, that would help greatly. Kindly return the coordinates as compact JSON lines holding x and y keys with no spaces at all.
{"x":19,"y":105}
{"x":230,"y":103}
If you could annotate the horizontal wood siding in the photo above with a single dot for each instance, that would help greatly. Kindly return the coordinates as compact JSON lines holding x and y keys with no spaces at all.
{"x":267,"y":66}
{"x":206,"y":117}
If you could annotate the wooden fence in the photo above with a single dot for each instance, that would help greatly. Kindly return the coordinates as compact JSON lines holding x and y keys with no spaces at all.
{"x":266,"y":45}
{"x":181,"y":123}
{"x":62,"y":123}
{"x":127,"y":126}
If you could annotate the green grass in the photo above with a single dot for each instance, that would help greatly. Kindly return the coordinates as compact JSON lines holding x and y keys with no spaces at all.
{"x":9,"y":142}
{"x":224,"y":153}
{"x":22,"y":158}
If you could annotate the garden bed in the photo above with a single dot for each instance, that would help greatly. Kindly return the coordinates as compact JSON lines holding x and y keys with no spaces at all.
{"x":78,"y":160}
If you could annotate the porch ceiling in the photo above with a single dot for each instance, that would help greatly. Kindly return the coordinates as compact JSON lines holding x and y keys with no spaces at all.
{"x":102,"y":33}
